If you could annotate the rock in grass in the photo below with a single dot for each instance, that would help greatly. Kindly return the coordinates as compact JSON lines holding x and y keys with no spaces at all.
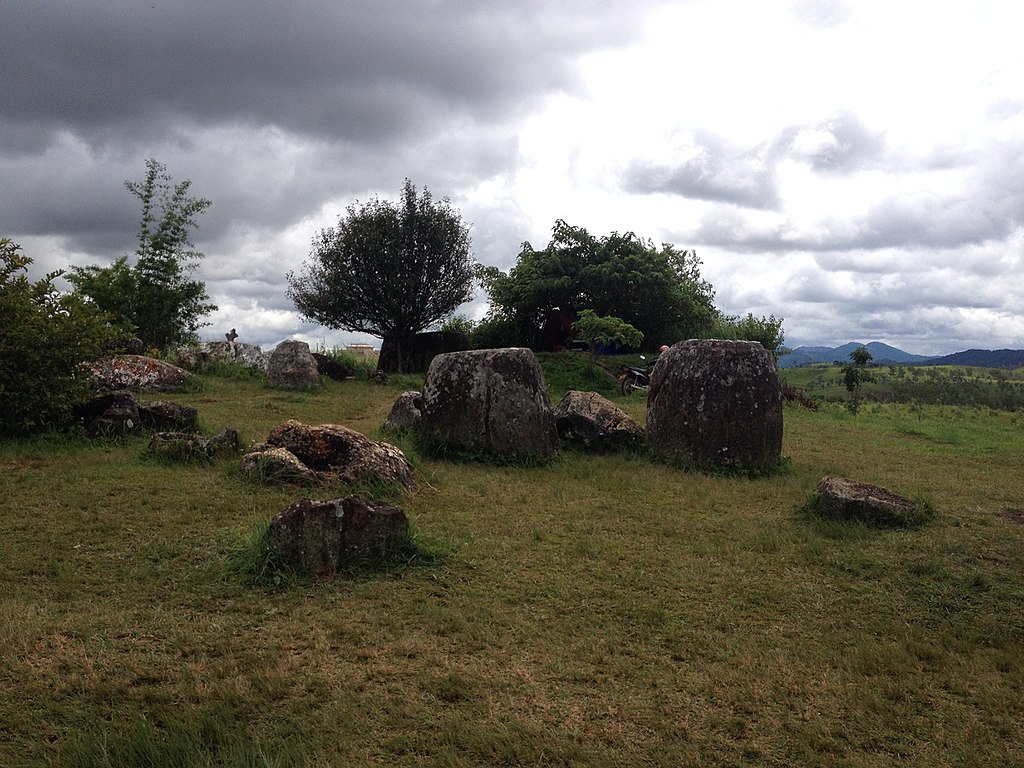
{"x":331,"y":368}
{"x":292,"y":367}
{"x":137,"y":373}
{"x":405,"y":413}
{"x":319,"y":537}
{"x":207,"y":352}
{"x":268,"y":464}
{"x":593,"y":422}
{"x":165,"y":416}
{"x":339,"y":454}
{"x":112,"y":414}
{"x":716,"y":404}
{"x":489,"y":401}
{"x":847,"y":499}
{"x":186,"y":447}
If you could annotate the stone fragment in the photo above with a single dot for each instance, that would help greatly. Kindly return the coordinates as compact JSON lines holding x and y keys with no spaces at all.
{"x":200,"y":355}
{"x":165,"y":416}
{"x":185,"y":446}
{"x":593,"y":422}
{"x":855,"y":500}
{"x":292,"y":367}
{"x":405,"y":413}
{"x":321,"y":536}
{"x":331,"y":368}
{"x":339,"y":454}
{"x":111,"y":414}
{"x":276,"y":465}
{"x":137,"y":373}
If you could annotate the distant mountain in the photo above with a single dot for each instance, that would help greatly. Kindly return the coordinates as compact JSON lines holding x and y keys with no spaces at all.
{"x":982,"y":358}
{"x":881,"y":354}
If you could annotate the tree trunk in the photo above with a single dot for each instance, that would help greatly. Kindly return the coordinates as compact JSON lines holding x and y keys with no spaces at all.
{"x":395,"y":353}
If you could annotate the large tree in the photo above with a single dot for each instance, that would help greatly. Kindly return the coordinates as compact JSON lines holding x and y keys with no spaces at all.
{"x":154,"y":297}
{"x":658,"y":291}
{"x":388,"y":269}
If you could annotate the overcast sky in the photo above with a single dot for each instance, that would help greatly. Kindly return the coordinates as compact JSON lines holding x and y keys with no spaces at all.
{"x":856,"y":168}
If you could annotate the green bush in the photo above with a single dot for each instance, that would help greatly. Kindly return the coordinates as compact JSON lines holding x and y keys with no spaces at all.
{"x":45,"y":336}
{"x":494,"y":332}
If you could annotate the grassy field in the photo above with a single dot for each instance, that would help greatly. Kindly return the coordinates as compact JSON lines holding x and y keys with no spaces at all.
{"x":918,"y":384}
{"x":599,"y":611}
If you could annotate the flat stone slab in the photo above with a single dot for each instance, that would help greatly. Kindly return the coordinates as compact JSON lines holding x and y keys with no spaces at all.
{"x":847,"y":499}
{"x":137,"y":373}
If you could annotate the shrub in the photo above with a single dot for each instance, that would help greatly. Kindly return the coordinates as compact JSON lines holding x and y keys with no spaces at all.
{"x":495,"y":332}
{"x":608,"y":332}
{"x":45,"y":336}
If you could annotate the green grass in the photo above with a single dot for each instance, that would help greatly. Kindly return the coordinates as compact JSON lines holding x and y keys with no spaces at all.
{"x":934,"y":385}
{"x":597,"y":611}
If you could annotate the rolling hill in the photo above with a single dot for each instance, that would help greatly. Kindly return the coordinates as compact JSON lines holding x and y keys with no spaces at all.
{"x":880,"y":354}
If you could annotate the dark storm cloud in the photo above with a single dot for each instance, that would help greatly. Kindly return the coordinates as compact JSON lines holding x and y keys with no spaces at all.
{"x":270,"y":109}
{"x":365,"y":72}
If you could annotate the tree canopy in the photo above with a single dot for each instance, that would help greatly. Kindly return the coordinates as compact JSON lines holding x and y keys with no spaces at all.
{"x":44,"y":338}
{"x":391,"y":270}
{"x":154,"y":297}
{"x":658,"y":291}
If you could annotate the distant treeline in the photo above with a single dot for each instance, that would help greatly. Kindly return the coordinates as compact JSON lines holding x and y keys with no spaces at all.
{"x":994,"y":388}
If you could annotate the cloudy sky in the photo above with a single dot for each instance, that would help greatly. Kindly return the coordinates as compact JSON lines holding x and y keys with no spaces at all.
{"x":855,"y":167}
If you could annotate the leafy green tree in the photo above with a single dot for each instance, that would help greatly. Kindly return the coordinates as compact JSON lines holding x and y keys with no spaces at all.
{"x":657,"y":291}
{"x":155,"y":298}
{"x":609,"y":331}
{"x":765,"y":330}
{"x":861,"y":357}
{"x":855,"y":374}
{"x":45,"y":336}
{"x":459,"y":324}
{"x":388,"y":269}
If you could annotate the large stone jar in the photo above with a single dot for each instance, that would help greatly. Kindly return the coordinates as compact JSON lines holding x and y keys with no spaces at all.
{"x":492,"y":401}
{"x":715,"y":404}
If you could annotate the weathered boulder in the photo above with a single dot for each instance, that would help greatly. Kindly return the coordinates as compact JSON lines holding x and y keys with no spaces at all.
{"x":331,"y":368}
{"x":405,"y":413}
{"x":110,"y":414}
{"x":292,"y":367}
{"x":276,"y":465}
{"x":593,"y":422}
{"x":715,"y":404}
{"x":854,"y":500}
{"x":137,"y":373}
{"x":488,"y":400}
{"x":321,"y":536}
{"x":185,"y":446}
{"x":207,"y":352}
{"x":165,"y":416}
{"x":340,"y":454}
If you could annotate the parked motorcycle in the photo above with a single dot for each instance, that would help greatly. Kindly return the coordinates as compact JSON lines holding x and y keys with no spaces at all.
{"x":633,"y":379}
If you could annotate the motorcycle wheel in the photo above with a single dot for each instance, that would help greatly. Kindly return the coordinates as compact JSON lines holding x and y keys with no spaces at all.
{"x":629,"y":386}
